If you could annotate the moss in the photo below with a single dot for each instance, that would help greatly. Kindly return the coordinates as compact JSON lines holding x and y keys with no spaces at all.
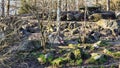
{"x":103,"y":43}
{"x":112,"y":54}
{"x":58,"y":61}
{"x":97,"y":59}
{"x":79,"y":61}
{"x":72,"y":46}
{"x":90,"y":60}
{"x":107,"y":52}
{"x":42,"y":58}
{"x":116,"y":54}
{"x":77,"y":53}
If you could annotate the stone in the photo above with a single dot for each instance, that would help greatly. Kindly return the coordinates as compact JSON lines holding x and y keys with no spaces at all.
{"x":33,"y":29}
{"x":108,"y":24}
{"x":95,"y":17}
{"x":96,"y":45}
{"x":77,"y":53}
{"x":72,"y":42}
{"x":34,"y":36}
{"x":118,"y":16}
{"x":96,"y":56}
{"x":93,"y":37}
{"x":28,"y":46}
{"x":108,"y":15}
{"x":79,"y":16}
{"x":49,"y":57}
{"x":58,"y":61}
{"x":63,"y":16}
{"x":106,"y":32}
{"x":70,"y":17}
{"x":42,"y":59}
{"x":55,"y":39}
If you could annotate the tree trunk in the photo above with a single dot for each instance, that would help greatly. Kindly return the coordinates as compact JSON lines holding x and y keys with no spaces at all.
{"x":58,"y":10}
{"x":58,"y":14}
{"x":3,"y":8}
{"x":77,"y":7}
{"x":8,"y":7}
{"x":108,"y":5}
{"x":96,"y":2}
{"x":35,"y":2}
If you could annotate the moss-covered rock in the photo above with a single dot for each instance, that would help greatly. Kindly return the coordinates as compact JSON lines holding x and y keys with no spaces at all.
{"x":42,"y":59}
{"x":112,"y":54}
{"x":72,"y":46}
{"x":59,"y":61}
{"x":95,"y":17}
{"x":96,"y":59}
{"x":45,"y":58}
{"x":77,"y":53}
{"x":103,"y":43}
{"x":79,"y":61}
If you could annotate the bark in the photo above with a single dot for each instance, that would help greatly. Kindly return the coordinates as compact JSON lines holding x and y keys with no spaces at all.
{"x":108,"y":5}
{"x":77,"y":7}
{"x":58,"y":10}
{"x":58,"y":14}
{"x":8,"y":7}
{"x":3,"y":8}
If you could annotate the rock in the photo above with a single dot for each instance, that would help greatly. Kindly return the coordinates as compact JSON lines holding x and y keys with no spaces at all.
{"x":70,"y":17}
{"x":55,"y":39}
{"x":96,"y":56}
{"x":72,"y":46}
{"x":112,"y":54}
{"x":66,"y":30}
{"x":59,"y":61}
{"x":42,"y":59}
{"x":63,"y":16}
{"x":79,"y":61}
{"x":49,"y":57}
{"x":72,"y":42}
{"x":34,"y":36}
{"x":96,"y":45}
{"x":29,"y":46}
{"x":77,"y":53}
{"x":95,"y":17}
{"x":108,"y":24}
{"x":108,"y":15}
{"x":33,"y":29}
{"x":79,"y":16}
{"x":106,"y":32}
{"x":93,"y":37}
{"x":118,"y":15}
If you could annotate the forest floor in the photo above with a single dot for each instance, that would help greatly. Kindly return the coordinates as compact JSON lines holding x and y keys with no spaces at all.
{"x":23,"y":52}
